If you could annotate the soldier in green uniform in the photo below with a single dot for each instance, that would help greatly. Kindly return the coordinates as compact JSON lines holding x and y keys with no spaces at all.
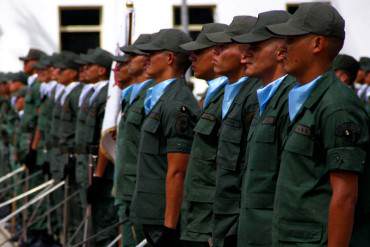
{"x":200,"y":178}
{"x":264,"y":59}
{"x":323,"y":168}
{"x":238,"y":108}
{"x":32,"y":104}
{"x":359,"y":81}
{"x":99,"y":193}
{"x":128,"y":140}
{"x":171,"y":112}
{"x":346,"y":68}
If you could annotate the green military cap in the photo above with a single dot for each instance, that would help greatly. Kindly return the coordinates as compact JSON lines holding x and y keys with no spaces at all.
{"x":239,"y":25}
{"x":100,"y":57}
{"x":121,"y":58}
{"x":67,"y":61}
{"x":142,"y":39}
{"x":259,"y":32}
{"x":33,"y":54}
{"x":81,"y":59}
{"x":202,"y":42}
{"x":364,"y":61}
{"x":166,"y":40}
{"x":43,"y":63}
{"x":4,"y":78}
{"x":317,"y":18}
{"x":19,"y":77}
{"x":346,"y":63}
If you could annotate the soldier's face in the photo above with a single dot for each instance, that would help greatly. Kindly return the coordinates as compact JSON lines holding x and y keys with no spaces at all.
{"x":19,"y":103}
{"x":360,"y":76}
{"x":66,"y":76}
{"x":137,"y":65}
{"x":14,"y":86}
{"x":262,"y":58}
{"x":54,"y":73}
{"x":158,"y":62}
{"x":367,"y":78}
{"x":43,"y":75}
{"x":28,"y":66}
{"x":201,"y":63}
{"x":343,"y":76}
{"x":121,"y":75}
{"x":93,"y":72}
{"x":299,"y":54}
{"x":228,"y":58}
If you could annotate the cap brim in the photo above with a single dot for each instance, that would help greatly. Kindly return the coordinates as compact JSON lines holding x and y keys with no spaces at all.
{"x":120,"y":59}
{"x":148,"y":48}
{"x":132,"y":49}
{"x":286,"y":29}
{"x":251,"y":38}
{"x":24,"y":58}
{"x":219,"y":37}
{"x":194,"y":46}
{"x":60,"y":66}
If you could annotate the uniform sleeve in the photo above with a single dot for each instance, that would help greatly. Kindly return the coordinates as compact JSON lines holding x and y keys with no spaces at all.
{"x":346,"y":136}
{"x":180,"y":122}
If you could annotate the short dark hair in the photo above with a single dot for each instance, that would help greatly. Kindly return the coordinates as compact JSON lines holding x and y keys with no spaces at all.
{"x":335,"y":45}
{"x":182,"y":61}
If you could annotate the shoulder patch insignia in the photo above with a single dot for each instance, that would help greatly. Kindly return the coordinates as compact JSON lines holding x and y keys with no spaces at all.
{"x":303,"y":130}
{"x":350,"y":131}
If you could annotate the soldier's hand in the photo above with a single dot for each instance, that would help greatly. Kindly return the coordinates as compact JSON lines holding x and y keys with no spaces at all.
{"x":69,"y":168}
{"x":168,"y":237}
{"x":96,"y":190}
{"x":30,"y":160}
{"x":46,"y":169}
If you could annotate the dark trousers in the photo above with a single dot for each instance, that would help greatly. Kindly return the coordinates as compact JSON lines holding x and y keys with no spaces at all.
{"x":153,"y":233}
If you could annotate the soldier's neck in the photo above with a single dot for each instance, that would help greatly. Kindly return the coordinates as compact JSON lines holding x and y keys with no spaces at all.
{"x":236,"y":74}
{"x":272,"y":75}
{"x":311,"y":72}
{"x":141,"y":78}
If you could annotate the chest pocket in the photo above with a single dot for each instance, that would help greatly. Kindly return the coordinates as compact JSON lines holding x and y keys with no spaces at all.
{"x":206,"y":124}
{"x":150,"y":136}
{"x":266,"y":131}
{"x":301,"y":139}
{"x":135,"y":116}
{"x":229,"y":145}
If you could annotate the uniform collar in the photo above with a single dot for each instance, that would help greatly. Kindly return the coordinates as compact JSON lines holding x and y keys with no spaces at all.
{"x":298,"y":96}
{"x":155,"y":93}
{"x":126,"y":93}
{"x":31,"y":79}
{"x":136,"y":89}
{"x":85,"y":90}
{"x":265,"y":94}
{"x":97,"y":88}
{"x":58,"y":91}
{"x":231,"y":90}
{"x":214,"y":86}
{"x":67,"y":90}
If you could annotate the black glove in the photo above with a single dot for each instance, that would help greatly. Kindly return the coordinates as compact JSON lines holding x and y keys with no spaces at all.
{"x":168,"y":237}
{"x":46,"y":169}
{"x":96,"y":190}
{"x":30,"y":160}
{"x":69,"y":168}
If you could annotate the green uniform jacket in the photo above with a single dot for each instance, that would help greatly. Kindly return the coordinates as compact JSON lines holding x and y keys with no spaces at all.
{"x":200,"y":181}
{"x":329,"y":133}
{"x":168,"y":128}
{"x":52,"y":139}
{"x":32,"y":103}
{"x":82,"y":134}
{"x":230,"y":161}
{"x":262,"y":163}
{"x":125,"y":168}
{"x":68,"y":120}
{"x":44,"y":124}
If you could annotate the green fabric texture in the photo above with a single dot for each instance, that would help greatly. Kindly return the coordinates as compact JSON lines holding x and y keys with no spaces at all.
{"x":265,"y":139}
{"x":230,"y":161}
{"x":332,"y":123}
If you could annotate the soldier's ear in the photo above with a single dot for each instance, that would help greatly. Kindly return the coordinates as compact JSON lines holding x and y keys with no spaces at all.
{"x":281,"y":51}
{"x":319,"y":43}
{"x":170,"y":58}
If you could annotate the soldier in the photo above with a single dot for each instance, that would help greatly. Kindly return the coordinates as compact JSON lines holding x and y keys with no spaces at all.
{"x":128,"y":140}
{"x":323,"y":169}
{"x":264,"y":59}
{"x":165,"y":140}
{"x":238,"y":108}
{"x":99,"y":193}
{"x":32,"y":103}
{"x":346,"y":68}
{"x":359,"y":81}
{"x":200,"y":178}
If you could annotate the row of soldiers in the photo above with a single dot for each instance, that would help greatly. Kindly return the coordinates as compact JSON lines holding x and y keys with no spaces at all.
{"x":275,"y":154}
